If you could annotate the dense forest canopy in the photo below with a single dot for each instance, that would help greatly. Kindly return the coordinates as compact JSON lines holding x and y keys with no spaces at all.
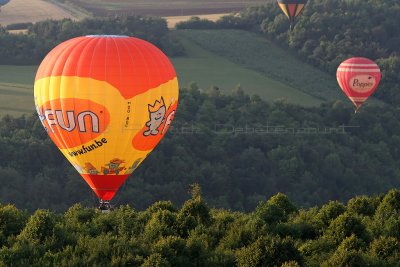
{"x":240,"y":149}
{"x":364,"y":232}
{"x":328,"y":32}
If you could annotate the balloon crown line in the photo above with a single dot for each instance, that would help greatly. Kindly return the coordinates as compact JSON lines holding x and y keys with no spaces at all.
{"x":107,"y":36}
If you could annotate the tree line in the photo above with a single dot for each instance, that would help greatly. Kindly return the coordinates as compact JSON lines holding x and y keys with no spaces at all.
{"x":31,"y":48}
{"x":239,"y":148}
{"x":328,"y":32}
{"x":363,"y":232}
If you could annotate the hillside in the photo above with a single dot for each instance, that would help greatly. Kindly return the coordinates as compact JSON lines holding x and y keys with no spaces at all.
{"x":223,"y":58}
{"x":208,"y":68}
{"x":226,"y":59}
{"x":329,"y":32}
{"x":253,"y":52}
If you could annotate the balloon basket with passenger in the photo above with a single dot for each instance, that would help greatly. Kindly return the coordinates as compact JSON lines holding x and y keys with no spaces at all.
{"x":105,"y":206}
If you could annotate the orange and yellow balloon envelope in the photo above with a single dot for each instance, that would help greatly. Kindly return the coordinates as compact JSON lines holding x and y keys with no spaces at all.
{"x":106,"y":101}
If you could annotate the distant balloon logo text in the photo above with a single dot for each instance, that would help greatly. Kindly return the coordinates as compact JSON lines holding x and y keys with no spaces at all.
{"x":362,"y":83}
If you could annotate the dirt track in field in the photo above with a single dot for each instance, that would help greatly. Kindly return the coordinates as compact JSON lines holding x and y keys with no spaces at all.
{"x":19,"y":11}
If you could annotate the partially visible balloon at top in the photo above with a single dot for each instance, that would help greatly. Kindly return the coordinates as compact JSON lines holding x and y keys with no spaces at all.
{"x":3,"y":2}
{"x":292,"y":9}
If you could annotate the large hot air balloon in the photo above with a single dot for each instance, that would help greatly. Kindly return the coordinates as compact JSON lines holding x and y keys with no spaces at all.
{"x":358,"y":77}
{"x":106,"y":101}
{"x":292,"y":8}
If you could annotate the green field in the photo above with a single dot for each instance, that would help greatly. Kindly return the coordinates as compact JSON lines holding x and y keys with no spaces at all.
{"x":16,"y":99}
{"x":207,"y":69}
{"x":16,"y":89}
{"x":256,"y":53}
{"x":18,"y":74}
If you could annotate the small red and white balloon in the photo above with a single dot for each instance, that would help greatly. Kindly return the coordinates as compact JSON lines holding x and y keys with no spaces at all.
{"x":358,"y":77}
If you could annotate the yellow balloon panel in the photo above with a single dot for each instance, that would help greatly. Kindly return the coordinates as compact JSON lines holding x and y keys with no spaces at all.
{"x":95,"y":126}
